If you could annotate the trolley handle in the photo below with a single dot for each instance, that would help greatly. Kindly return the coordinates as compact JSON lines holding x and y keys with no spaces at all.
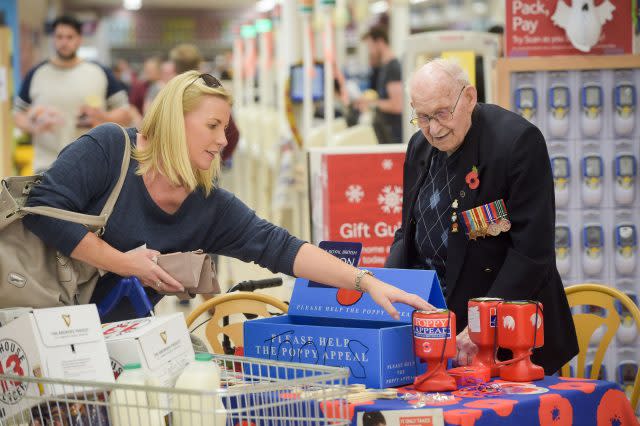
{"x":249,"y":285}
{"x":252,"y":285}
{"x":131,"y":288}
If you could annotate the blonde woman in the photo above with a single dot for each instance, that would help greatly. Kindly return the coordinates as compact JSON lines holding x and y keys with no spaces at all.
{"x":169,"y":202}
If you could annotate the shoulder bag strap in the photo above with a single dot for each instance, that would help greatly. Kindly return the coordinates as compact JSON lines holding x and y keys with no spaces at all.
{"x":91,"y":221}
{"x":115,"y":193}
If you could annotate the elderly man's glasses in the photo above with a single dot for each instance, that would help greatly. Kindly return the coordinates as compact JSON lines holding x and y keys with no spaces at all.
{"x":208,"y":79}
{"x":442,"y":116}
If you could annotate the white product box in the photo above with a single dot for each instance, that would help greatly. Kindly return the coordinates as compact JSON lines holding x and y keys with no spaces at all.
{"x":9,"y":314}
{"x":56,"y":343}
{"x":160,"y":344}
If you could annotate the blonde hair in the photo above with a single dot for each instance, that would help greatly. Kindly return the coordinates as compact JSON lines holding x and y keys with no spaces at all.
{"x":163,"y":126}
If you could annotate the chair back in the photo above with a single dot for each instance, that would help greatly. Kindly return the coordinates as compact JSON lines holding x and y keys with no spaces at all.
{"x":317,"y":135}
{"x":230,"y":304}
{"x":587,"y":323}
{"x":360,"y":134}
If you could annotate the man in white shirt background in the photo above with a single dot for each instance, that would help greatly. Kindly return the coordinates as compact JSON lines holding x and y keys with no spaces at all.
{"x":64,"y":96}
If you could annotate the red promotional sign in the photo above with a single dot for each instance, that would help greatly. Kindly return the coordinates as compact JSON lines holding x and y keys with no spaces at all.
{"x":568,"y":27}
{"x":363,"y":201}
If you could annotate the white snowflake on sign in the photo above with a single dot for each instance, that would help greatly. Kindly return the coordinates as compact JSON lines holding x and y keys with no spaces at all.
{"x":354,"y":193}
{"x":390,"y":199}
{"x":387,"y":164}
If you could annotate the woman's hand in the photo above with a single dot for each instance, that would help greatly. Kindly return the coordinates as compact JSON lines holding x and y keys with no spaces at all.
{"x":318,"y":265}
{"x":466,"y":348}
{"x":143,"y":265}
{"x":139,"y":262}
{"x":385,"y":294}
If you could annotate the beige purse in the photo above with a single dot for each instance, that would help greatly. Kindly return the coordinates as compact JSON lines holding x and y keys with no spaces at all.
{"x":195,"y":270}
{"x":33,"y":274}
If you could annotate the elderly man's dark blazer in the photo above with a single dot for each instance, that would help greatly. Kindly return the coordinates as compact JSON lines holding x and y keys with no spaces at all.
{"x":513,"y":164}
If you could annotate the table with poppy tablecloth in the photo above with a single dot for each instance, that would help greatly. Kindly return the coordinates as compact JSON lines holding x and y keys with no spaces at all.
{"x":553,"y":401}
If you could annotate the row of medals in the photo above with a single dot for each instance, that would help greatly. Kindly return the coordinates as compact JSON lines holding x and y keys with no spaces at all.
{"x":494,"y":229}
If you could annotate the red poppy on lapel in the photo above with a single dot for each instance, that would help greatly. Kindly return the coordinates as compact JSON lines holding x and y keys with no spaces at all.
{"x":472,"y":178}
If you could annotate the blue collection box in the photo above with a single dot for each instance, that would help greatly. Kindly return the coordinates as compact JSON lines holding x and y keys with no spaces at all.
{"x":328,"y":327}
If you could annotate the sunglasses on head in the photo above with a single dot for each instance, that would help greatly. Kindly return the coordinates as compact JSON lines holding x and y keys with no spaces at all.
{"x":208,"y":79}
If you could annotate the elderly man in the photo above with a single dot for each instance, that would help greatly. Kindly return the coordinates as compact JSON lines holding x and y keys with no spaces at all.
{"x":479,"y":207}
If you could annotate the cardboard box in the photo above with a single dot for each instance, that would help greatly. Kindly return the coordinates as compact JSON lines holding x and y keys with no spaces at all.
{"x":56,"y":343}
{"x":160,"y":344}
{"x":9,"y":314}
{"x":323,"y":327}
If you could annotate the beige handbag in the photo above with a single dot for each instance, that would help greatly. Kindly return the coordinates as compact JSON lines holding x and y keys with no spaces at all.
{"x":195,"y":270}
{"x":33,"y":274}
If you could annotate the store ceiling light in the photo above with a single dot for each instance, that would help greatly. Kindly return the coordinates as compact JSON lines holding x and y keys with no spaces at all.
{"x":265,"y":5}
{"x":132,"y":4}
{"x":417,"y":1}
{"x":378,"y":7}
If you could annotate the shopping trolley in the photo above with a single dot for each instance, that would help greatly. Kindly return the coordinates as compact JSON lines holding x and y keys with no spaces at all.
{"x":253,"y":392}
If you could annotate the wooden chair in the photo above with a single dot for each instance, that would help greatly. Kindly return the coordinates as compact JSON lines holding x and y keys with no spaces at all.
{"x":231,"y":304}
{"x":587,"y":323}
